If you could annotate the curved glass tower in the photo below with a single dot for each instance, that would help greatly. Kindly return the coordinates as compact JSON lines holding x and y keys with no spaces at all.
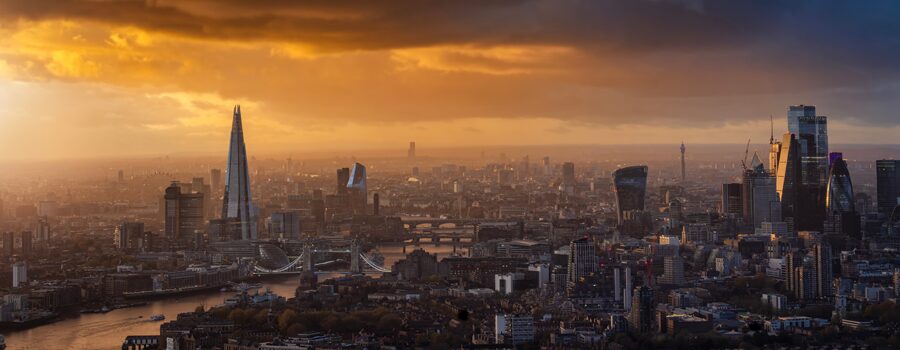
{"x":237,"y":201}
{"x":630,"y":186}
{"x":839,"y":193}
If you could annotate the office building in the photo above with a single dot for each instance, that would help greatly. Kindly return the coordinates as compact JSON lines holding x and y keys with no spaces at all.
{"x":774,"y":148}
{"x":823,"y":272}
{"x":811,"y":132}
{"x":630,"y":187}
{"x":129,"y":235}
{"x":357,"y":190}
{"x":888,"y":182}
{"x":198,"y":186}
{"x":9,"y":243}
{"x":582,"y":259}
{"x":839,"y":192}
{"x":42,"y":232}
{"x":285,"y":225}
{"x":696,"y":233}
{"x":732,"y":199}
{"x":682,"y":162}
{"x":800,"y":275}
{"x":626,"y":303}
{"x":183,"y":215}
{"x":673,"y":267}
{"x":19,"y":274}
{"x":411,"y":152}
{"x":237,"y":202}
{"x":26,"y":240}
{"x":513,"y":329}
{"x":795,"y":113}
{"x":640,"y":317}
{"x":760,"y":202}
{"x":343,"y":177}
{"x":225,"y":230}
{"x":568,"y":178}
{"x":788,"y":180}
{"x":215,"y":178}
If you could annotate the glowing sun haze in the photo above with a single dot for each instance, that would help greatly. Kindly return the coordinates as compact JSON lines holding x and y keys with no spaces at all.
{"x":84,"y":78}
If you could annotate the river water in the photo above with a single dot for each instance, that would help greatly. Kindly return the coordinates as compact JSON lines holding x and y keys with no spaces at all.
{"x":108,"y":331}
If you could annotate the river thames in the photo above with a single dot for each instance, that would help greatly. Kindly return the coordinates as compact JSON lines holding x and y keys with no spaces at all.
{"x":108,"y":331}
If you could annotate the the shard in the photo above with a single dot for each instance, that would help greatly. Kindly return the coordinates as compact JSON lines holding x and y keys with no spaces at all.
{"x":236,"y":204}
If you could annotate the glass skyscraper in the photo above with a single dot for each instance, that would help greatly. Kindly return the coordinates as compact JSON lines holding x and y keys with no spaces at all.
{"x":811,"y":132}
{"x":787,"y":181}
{"x":237,"y":203}
{"x":888,"y":182}
{"x":797,"y":112}
{"x":630,"y":186}
{"x":839,"y":193}
{"x":357,"y":188}
{"x":760,"y":198}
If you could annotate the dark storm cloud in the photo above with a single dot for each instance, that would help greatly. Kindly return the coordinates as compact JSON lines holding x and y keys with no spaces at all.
{"x":845,"y":32}
{"x":842,"y":52}
{"x":349,"y":25}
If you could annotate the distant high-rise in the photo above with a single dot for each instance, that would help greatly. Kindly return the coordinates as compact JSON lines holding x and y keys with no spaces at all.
{"x":9,"y":243}
{"x":839,"y":192}
{"x":888,"y":183}
{"x":285,"y":225}
{"x":582,"y":259}
{"x":774,"y":148}
{"x":759,"y":195}
{"x":797,"y":112}
{"x":732,"y":200}
{"x":121,"y":176}
{"x":568,"y":177}
{"x":129,"y":235}
{"x":682,"y":162}
{"x":183,"y":214}
{"x":788,"y":179}
{"x":20,"y":274}
{"x":811,"y":132}
{"x":630,"y":186}
{"x":215,"y":178}
{"x":376,"y":204}
{"x":841,"y":217}
{"x":343,"y":176}
{"x":357,"y":189}
{"x":411,"y":152}
{"x":237,"y":202}
{"x":673,"y":270}
{"x":823,"y":272}
{"x":640,"y":317}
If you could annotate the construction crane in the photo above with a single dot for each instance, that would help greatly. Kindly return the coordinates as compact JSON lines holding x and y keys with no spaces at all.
{"x":746,"y":153}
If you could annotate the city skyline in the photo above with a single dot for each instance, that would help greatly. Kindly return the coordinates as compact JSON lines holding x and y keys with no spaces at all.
{"x":155,"y":84}
{"x":425,"y":174}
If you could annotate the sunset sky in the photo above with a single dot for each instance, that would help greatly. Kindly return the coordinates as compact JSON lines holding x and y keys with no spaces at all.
{"x":99,"y":78}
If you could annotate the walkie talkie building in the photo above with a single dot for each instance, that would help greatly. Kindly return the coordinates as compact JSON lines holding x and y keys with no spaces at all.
{"x":630,"y":185}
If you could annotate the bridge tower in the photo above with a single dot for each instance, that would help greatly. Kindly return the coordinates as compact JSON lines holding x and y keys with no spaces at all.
{"x":355,"y":263}
{"x":308,"y":258}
